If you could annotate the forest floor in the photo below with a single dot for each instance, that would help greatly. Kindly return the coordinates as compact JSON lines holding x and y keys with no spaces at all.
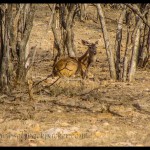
{"x":72,"y":112}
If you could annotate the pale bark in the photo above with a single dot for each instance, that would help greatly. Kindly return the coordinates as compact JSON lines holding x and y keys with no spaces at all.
{"x":69,"y":36}
{"x":133,"y":63}
{"x":66,"y":40}
{"x":127,"y":55}
{"x":23,"y":43}
{"x":57,"y":41}
{"x":108,"y":47}
{"x":136,"y":10}
{"x":83,"y":14}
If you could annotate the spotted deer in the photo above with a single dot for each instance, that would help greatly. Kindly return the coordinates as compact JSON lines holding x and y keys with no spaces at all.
{"x":70,"y":66}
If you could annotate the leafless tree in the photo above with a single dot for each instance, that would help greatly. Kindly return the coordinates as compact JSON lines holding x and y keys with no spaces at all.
{"x":82,"y":11}
{"x":137,"y":44}
{"x":109,"y":51}
{"x":63,"y":36}
{"x":141,"y":12}
{"x":16,"y":21}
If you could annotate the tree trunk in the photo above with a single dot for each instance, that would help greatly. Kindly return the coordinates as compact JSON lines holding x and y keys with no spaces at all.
{"x":1,"y":40}
{"x":57,"y":41}
{"x":66,"y":39}
{"x":133,"y":63}
{"x":118,"y":43}
{"x":143,"y":54}
{"x":127,"y":55}
{"x":108,"y":47}
{"x":83,"y":14}
{"x":23,"y":43}
{"x":5,"y":66}
{"x":13,"y":43}
{"x":69,"y":25}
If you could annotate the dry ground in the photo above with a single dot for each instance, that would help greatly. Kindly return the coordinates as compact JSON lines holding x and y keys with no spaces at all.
{"x":74,"y":112}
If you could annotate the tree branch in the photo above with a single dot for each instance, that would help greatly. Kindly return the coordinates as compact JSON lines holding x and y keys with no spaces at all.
{"x":136,"y":10}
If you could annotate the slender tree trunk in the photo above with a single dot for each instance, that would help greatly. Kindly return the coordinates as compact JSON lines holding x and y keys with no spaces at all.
{"x":143,"y":54}
{"x":127,"y":55}
{"x":23,"y":43}
{"x":133,"y":63}
{"x":66,"y":39}
{"x":109,"y":52}
{"x":118,"y":43}
{"x":69,"y":25}
{"x":5,"y":66}
{"x":83,"y":14}
{"x":1,"y":40}
{"x":57,"y":41}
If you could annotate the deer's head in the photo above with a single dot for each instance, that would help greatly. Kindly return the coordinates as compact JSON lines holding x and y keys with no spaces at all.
{"x":92,"y":50}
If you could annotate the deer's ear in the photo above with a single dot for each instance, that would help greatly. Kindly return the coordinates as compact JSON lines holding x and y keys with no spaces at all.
{"x":96,"y":42}
{"x":85,"y":42}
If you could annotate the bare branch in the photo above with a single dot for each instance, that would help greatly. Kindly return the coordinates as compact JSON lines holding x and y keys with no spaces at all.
{"x":136,"y":10}
{"x":52,"y":14}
